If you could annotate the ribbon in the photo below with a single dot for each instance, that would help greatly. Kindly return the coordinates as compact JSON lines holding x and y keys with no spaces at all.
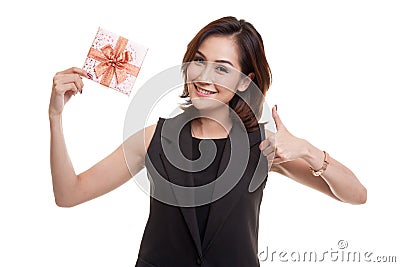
{"x":113,"y":62}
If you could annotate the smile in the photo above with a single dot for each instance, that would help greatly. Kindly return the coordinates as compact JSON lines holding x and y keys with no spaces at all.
{"x":203,"y":92}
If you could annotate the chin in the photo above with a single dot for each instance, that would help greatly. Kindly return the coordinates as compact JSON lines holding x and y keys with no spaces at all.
{"x":207,"y":104}
{"x":203,"y":104}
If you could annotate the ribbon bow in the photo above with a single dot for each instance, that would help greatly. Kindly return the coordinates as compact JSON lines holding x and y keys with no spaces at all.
{"x":113,"y":62}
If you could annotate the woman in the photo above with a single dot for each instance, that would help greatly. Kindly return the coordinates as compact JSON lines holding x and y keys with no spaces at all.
{"x":222,"y":228}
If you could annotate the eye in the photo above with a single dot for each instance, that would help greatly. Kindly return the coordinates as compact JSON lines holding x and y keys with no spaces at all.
{"x":222,"y":69}
{"x":198,"y":60}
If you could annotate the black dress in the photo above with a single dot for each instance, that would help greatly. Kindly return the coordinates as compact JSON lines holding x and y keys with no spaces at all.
{"x":206,"y":176}
{"x":171,"y":237}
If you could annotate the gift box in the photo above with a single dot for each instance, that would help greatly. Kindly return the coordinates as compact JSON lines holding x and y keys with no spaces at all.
{"x":114,"y":61}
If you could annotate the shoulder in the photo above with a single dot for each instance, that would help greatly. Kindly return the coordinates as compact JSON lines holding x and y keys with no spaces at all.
{"x":149,"y":131}
{"x":148,"y":134}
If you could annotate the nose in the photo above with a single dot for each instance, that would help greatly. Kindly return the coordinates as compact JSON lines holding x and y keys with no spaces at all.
{"x":207,"y":74}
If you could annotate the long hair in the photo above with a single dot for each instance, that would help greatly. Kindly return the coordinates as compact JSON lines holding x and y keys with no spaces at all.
{"x":252,"y":59}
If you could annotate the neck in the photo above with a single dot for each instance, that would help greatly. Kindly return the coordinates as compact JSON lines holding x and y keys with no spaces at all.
{"x":214,"y":123}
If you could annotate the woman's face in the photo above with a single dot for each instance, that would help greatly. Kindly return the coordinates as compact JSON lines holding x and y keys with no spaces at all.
{"x":214,"y":74}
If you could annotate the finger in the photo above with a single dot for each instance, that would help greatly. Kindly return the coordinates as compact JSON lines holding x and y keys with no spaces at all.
{"x":77,"y":80}
{"x":76,"y":70}
{"x":271,"y":139}
{"x":270,"y":162}
{"x":271,"y":155}
{"x":278,"y":123}
{"x":65,"y":78}
{"x":268,"y":133}
{"x":278,"y":160}
{"x":68,"y":95}
{"x":269,"y":150}
{"x":69,"y":78}
{"x":78,"y":83}
{"x":270,"y":158}
{"x":71,"y":87}
{"x":264,"y":144}
{"x":65,"y":88}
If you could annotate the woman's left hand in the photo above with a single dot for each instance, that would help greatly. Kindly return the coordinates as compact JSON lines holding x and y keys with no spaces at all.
{"x":281,"y":146}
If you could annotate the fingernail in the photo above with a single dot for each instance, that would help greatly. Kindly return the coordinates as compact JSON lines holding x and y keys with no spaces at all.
{"x":276,"y":107}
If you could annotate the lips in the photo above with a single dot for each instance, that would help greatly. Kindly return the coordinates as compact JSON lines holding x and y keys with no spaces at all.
{"x":203,"y":92}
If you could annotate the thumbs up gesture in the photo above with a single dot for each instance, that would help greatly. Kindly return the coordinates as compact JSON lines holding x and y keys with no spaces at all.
{"x":281,"y":146}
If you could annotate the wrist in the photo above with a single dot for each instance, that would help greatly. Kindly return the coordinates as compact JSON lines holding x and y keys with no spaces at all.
{"x":313,"y":156}
{"x":54,"y":117}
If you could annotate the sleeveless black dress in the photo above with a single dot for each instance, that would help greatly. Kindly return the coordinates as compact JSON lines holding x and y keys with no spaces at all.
{"x":171,"y":237}
{"x":206,"y":176}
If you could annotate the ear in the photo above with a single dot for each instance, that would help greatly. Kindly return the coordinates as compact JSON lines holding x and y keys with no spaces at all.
{"x":245,"y":82}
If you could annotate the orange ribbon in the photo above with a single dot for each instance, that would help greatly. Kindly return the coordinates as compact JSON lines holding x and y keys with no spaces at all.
{"x":113,"y":62}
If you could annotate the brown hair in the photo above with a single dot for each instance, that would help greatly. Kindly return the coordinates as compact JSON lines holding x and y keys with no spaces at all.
{"x":251,"y":59}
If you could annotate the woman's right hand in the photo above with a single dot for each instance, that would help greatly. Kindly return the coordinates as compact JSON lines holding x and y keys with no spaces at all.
{"x":65,"y":84}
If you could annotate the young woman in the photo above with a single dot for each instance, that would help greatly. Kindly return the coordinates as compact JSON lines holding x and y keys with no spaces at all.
{"x":223,"y":229}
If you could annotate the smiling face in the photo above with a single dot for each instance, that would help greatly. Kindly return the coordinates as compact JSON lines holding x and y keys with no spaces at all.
{"x":222,"y":40}
{"x":214,"y":75}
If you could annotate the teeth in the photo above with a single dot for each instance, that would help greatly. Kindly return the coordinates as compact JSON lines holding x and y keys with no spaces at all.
{"x":204,"y":91}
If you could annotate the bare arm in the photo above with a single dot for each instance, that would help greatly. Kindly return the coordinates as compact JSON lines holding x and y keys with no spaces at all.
{"x":106,"y":175}
{"x":69,"y":188}
{"x":337,"y":181}
{"x":293,"y":157}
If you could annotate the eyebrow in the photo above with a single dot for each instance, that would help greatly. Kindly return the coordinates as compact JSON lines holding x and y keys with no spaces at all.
{"x":219,"y":60}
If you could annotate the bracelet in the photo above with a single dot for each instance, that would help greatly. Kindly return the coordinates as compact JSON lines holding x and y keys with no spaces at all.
{"x":324,"y":166}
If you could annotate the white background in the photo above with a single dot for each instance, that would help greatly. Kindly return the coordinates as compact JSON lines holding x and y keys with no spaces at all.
{"x":335,"y":68}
